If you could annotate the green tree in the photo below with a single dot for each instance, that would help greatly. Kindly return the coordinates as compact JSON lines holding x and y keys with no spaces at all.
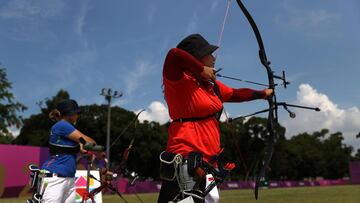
{"x":244,"y":143}
{"x":302,"y":156}
{"x":9,"y":108}
{"x":337,"y":156}
{"x":150,"y":137}
{"x":150,"y":141}
{"x":357,"y":155}
{"x":319,"y":154}
{"x":36,"y":128}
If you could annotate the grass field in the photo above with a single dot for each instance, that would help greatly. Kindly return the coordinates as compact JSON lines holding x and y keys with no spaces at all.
{"x":331,"y":194}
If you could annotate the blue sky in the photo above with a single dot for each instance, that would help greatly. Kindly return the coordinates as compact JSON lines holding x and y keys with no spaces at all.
{"x":83,"y":46}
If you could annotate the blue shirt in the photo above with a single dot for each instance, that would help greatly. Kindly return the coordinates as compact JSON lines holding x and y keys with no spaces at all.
{"x":62,"y":164}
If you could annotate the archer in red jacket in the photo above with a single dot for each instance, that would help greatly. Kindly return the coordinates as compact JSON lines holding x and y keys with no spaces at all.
{"x":195,"y":101}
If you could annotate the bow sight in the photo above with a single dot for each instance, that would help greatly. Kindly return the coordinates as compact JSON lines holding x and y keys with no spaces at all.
{"x":285,"y":105}
{"x":283,"y":78}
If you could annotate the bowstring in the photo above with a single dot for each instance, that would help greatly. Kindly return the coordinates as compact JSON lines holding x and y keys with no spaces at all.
{"x":221,"y":34}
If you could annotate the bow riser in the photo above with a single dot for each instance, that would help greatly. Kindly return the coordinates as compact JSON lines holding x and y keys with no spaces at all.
{"x":272,"y":116}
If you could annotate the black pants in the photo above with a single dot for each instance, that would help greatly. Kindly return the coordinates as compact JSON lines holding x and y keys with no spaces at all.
{"x":169,"y":190}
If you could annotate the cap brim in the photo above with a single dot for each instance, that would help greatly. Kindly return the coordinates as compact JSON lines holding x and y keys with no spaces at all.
{"x":209,"y":49}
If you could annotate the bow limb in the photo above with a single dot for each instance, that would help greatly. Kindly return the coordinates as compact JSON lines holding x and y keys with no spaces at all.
{"x":272,"y":116}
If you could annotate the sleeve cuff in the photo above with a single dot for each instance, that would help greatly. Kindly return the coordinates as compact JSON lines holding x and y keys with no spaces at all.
{"x":259,"y":94}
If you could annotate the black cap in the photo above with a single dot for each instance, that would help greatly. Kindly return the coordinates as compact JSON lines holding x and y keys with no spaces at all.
{"x":197,"y":46}
{"x":68,"y":107}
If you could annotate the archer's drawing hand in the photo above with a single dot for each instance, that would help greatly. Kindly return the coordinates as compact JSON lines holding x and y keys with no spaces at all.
{"x":268,"y":92}
{"x":208,"y":73}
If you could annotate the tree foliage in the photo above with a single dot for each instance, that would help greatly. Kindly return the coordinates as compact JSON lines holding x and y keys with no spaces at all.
{"x":306,"y":155}
{"x":36,"y":128}
{"x":150,"y":136}
{"x":9,"y":108}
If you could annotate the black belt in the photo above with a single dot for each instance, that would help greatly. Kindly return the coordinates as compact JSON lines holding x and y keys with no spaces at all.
{"x":55,"y":149}
{"x":181,"y":120}
{"x":50,"y":175}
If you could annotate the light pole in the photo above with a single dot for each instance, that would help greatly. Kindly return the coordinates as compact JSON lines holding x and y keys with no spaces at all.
{"x":109,"y":94}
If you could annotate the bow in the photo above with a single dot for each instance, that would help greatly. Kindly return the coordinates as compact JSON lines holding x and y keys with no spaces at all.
{"x":122,"y":169}
{"x":272,"y":110}
{"x":272,"y":115}
{"x":133,"y":121}
{"x":106,"y":184}
{"x":123,"y":164}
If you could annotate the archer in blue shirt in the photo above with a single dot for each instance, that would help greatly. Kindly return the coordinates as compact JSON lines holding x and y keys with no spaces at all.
{"x":64,"y":147}
{"x":64,"y":140}
{"x":63,"y":164}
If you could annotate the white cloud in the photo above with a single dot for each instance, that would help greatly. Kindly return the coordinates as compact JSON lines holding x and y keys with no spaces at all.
{"x":312,"y":18}
{"x":72,"y":66}
{"x":72,"y":62}
{"x":225,"y":115}
{"x":213,"y":6}
{"x":17,"y":9}
{"x":331,"y":116}
{"x":314,"y":22}
{"x":151,"y":14}
{"x":80,"y":24}
{"x":14,"y":131}
{"x":191,"y":27}
{"x":30,"y":32}
{"x":28,"y":17}
{"x":133,"y":80}
{"x":156,"y":111}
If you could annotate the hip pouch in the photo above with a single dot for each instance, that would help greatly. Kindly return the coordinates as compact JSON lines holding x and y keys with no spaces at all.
{"x":169,"y":165}
{"x":194,"y":164}
{"x":37,"y":184}
{"x":34,"y":176}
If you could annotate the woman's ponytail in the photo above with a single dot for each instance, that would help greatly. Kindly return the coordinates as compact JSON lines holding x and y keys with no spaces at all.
{"x":55,"y":115}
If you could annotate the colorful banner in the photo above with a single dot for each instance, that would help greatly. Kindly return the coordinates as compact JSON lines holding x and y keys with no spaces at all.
{"x":80,"y":184}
